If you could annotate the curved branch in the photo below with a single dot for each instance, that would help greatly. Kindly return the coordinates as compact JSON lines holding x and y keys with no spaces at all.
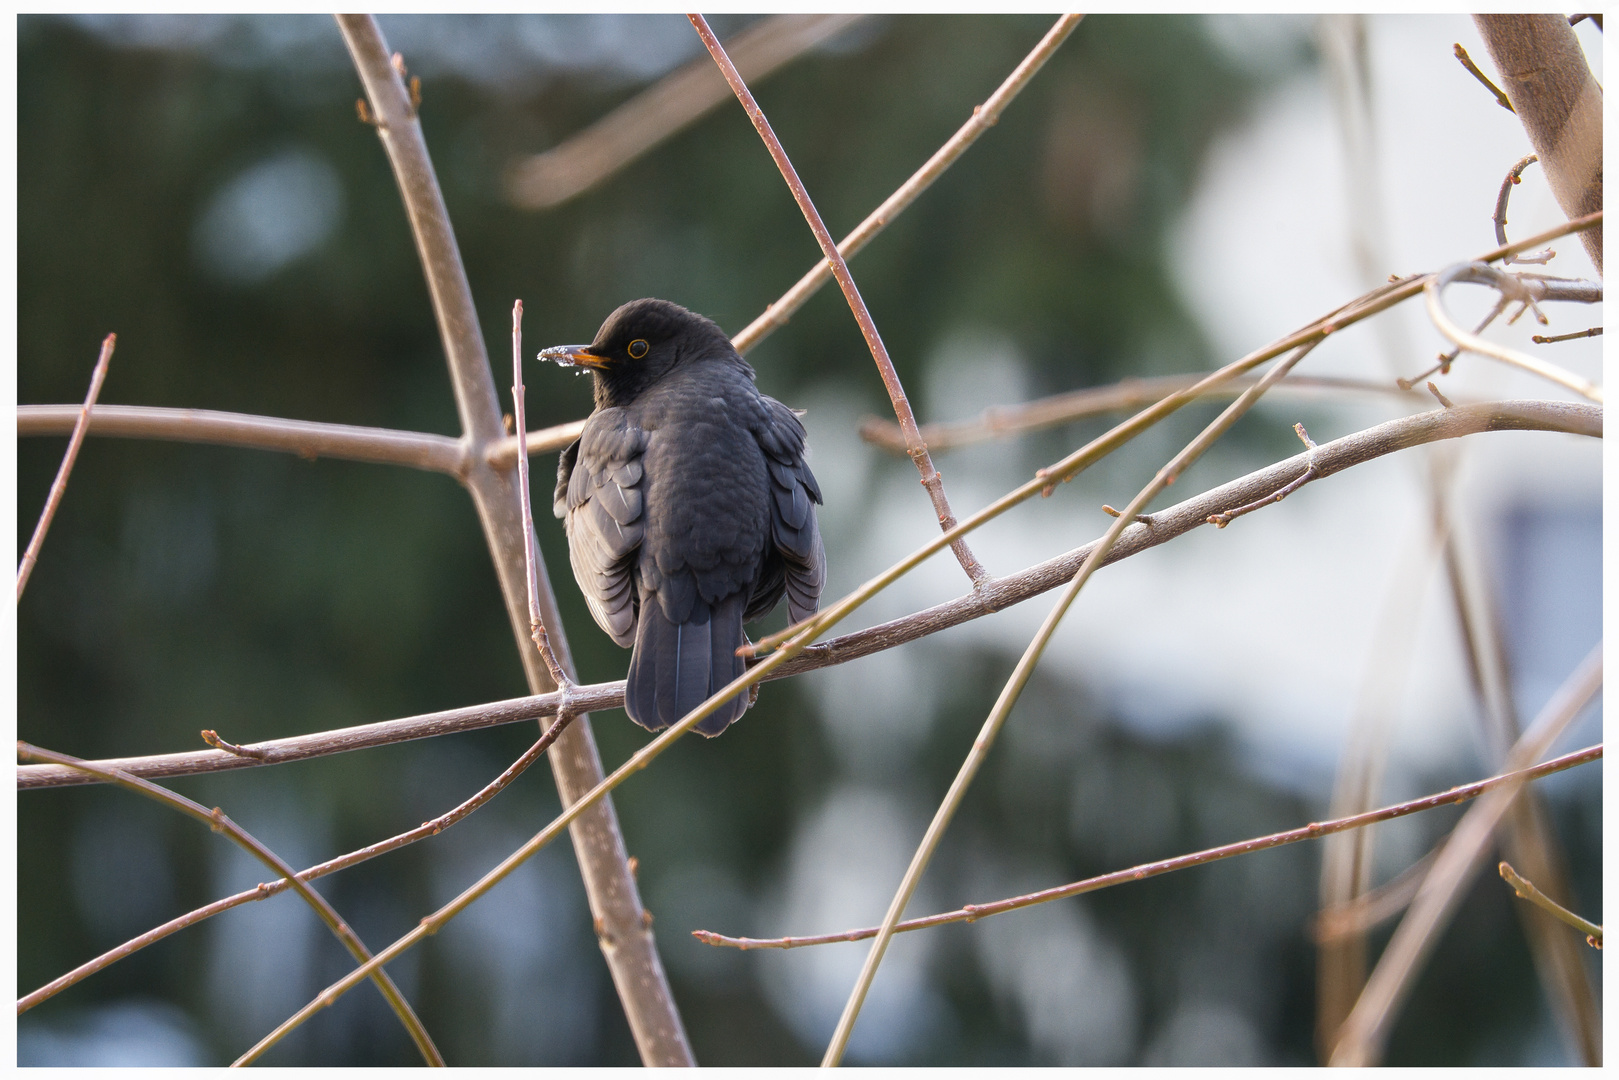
{"x":994,"y":595}
{"x":382,"y":446}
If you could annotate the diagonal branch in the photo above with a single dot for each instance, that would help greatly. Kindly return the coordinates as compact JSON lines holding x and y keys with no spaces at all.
{"x":59,"y":485}
{"x":1164,"y":525}
{"x":1313,"y":831}
{"x":626,"y":940}
{"x":918,"y":450}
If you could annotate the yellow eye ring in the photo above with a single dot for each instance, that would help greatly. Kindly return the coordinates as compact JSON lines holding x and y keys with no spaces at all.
{"x":638,"y":348}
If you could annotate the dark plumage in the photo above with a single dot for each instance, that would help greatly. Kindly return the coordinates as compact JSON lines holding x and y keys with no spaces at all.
{"x":688,"y":506}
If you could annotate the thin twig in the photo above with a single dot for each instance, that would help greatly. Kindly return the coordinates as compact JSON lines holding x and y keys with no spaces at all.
{"x":1595,"y":331}
{"x":917,"y":449}
{"x":1373,"y":908}
{"x":1167,"y":524}
{"x":216,"y":820}
{"x":548,"y":179}
{"x":1514,"y":177}
{"x":1221,"y":520}
{"x":530,"y":543}
{"x":1526,"y":889}
{"x":628,"y":943}
{"x":59,"y":485}
{"x":1360,"y":1039}
{"x":418,"y":450}
{"x":342,"y":862}
{"x":983,"y":118}
{"x":1313,"y":831}
{"x":1472,"y":69}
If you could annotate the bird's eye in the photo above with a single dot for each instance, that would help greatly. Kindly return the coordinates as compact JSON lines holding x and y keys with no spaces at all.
{"x":638,"y":348}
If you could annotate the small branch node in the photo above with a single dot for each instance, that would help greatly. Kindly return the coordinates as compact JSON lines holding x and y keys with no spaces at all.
{"x":1443,"y":400}
{"x":211,"y":737}
{"x":1472,"y":69}
{"x":363,"y":111}
{"x":1540,"y":339}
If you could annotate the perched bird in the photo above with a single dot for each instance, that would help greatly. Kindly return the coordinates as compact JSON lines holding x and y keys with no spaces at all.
{"x":688,"y":506}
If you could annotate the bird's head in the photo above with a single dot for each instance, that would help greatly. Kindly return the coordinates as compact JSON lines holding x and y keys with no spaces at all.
{"x":639,"y":344}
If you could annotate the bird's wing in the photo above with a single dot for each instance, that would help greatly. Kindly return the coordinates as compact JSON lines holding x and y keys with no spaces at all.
{"x":599,"y":496}
{"x":793,"y":528}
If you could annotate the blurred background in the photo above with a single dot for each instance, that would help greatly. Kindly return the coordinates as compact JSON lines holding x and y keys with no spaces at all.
{"x":1168,"y":194}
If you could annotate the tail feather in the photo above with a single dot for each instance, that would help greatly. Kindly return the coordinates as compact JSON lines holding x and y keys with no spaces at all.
{"x":677,"y":666}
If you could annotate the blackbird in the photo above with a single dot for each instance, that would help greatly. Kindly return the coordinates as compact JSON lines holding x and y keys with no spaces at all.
{"x":688,"y":506}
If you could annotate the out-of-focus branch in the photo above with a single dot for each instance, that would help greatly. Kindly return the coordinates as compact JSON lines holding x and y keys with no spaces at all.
{"x":59,"y":486}
{"x":668,"y":106}
{"x":999,"y":421}
{"x":1361,"y":1039}
{"x":918,"y":450}
{"x":382,"y":446}
{"x":1315,"y":830}
{"x":995,"y":595}
{"x":216,"y":820}
{"x":626,"y":940}
{"x":1552,"y":90}
{"x":983,"y":118}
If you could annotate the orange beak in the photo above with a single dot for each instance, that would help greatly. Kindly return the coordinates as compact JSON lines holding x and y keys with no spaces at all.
{"x":575,"y":356}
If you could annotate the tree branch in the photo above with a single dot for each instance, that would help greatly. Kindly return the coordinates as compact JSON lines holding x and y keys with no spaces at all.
{"x":59,"y":486}
{"x":931,"y":480}
{"x":995,"y":595}
{"x":626,"y":941}
{"x":382,"y":446}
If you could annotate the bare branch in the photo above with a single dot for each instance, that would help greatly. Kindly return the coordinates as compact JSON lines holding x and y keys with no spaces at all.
{"x":59,"y":485}
{"x":584,"y":160}
{"x":996,"y":595}
{"x":1313,"y":831}
{"x":502,"y":453}
{"x":216,"y":820}
{"x":626,"y":940}
{"x":1360,"y":1040}
{"x":917,"y":449}
{"x":418,"y":450}
{"x":983,"y":118}
{"x":1473,"y":70}
{"x":1514,"y":177}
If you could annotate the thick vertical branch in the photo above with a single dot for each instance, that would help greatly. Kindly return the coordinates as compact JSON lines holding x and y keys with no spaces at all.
{"x":626,"y":940}
{"x":914,"y":446}
{"x":1544,"y":73}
